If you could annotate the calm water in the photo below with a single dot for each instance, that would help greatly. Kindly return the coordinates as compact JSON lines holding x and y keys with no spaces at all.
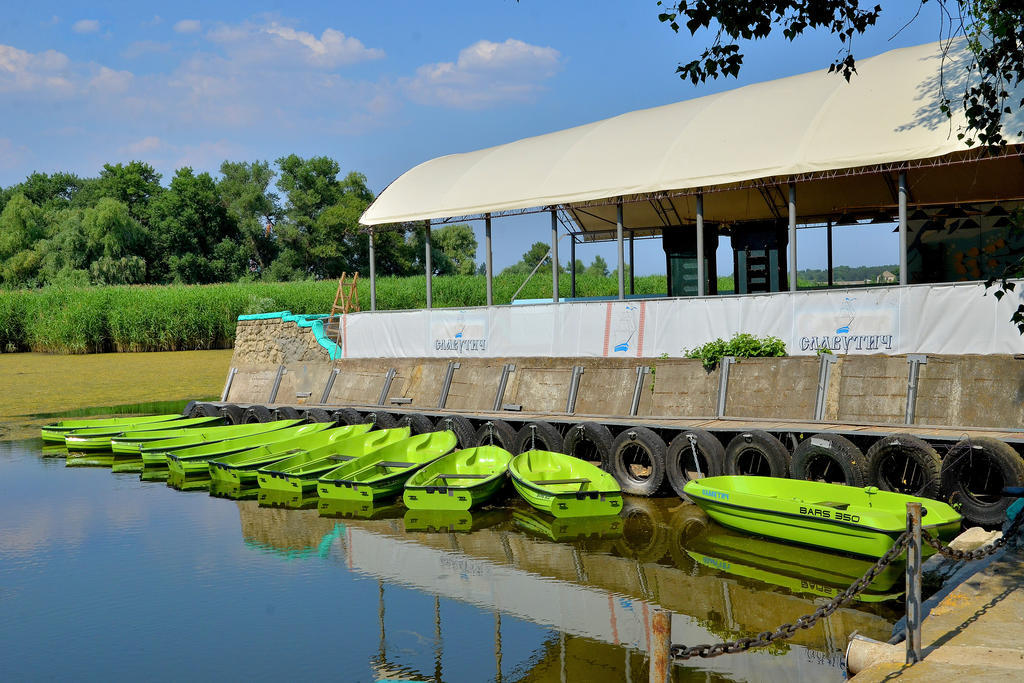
{"x":103,"y":576}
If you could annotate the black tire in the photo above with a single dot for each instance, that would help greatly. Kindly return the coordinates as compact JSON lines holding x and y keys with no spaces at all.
{"x":463,"y":428}
{"x":318,"y":415}
{"x":381,"y":420}
{"x":758,"y":453}
{"x":234,"y":415}
{"x":539,"y":436}
{"x":974,"y":473}
{"x":592,"y":442}
{"x":349,"y":416}
{"x":683,"y":465}
{"x":638,"y":461}
{"x":644,"y":537}
{"x":685,"y":523}
{"x":205,"y":410}
{"x":288,"y":413}
{"x":417,"y":424}
{"x":904,"y":464}
{"x":830,"y":458}
{"x":496,"y":433}
{"x":258,"y":414}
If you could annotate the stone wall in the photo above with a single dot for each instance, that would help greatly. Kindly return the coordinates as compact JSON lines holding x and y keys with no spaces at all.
{"x":264,"y":343}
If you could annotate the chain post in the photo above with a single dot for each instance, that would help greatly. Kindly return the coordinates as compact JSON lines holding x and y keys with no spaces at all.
{"x":913,"y":583}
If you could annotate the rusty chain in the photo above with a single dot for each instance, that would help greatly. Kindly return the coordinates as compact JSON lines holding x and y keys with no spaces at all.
{"x":682,"y":652}
{"x":978,"y":553}
{"x":807,"y":621}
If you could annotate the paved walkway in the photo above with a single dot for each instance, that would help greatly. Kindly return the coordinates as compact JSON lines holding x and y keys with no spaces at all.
{"x":975,"y":632}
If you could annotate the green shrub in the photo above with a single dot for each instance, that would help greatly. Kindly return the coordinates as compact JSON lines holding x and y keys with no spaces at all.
{"x":740,"y":345}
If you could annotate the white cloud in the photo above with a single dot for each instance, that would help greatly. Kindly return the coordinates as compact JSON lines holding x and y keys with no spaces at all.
{"x":108,"y":80}
{"x":155,"y":21}
{"x":141,"y":148}
{"x":22,"y":71}
{"x":485,"y":74}
{"x":276,"y":43}
{"x":11,"y":155}
{"x":188,"y":26}
{"x":142,"y":47}
{"x":86,"y":26}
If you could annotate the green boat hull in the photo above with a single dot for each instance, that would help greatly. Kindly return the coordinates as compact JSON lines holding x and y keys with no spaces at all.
{"x":239,"y":469}
{"x":56,"y":432}
{"x":458,"y":481}
{"x":861,"y":521}
{"x":198,"y":437}
{"x":383,"y":473}
{"x":564,"y":486}
{"x":100,"y":439}
{"x":301,"y":471}
{"x":194,"y":461}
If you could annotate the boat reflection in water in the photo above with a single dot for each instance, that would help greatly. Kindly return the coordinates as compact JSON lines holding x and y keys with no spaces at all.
{"x":182,"y":482}
{"x":220,"y":489}
{"x":360,"y":509}
{"x":451,"y":521}
{"x":600,"y":586}
{"x":286,"y":499}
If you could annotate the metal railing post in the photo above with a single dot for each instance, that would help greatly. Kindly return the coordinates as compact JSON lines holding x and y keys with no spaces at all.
{"x":914,"y":583}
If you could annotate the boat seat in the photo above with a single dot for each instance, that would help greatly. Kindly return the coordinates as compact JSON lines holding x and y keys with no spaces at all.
{"x":341,"y":458}
{"x":550,"y":482}
{"x":833,"y":504}
{"x":461,"y":476}
{"x":395,"y":463}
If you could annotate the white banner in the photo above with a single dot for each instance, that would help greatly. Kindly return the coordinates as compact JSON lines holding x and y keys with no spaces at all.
{"x":936,"y":319}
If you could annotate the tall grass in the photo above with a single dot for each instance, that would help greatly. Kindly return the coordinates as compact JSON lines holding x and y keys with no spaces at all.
{"x":184,"y":317}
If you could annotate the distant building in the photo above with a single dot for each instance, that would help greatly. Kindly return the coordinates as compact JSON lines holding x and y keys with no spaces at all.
{"x":886,"y":277}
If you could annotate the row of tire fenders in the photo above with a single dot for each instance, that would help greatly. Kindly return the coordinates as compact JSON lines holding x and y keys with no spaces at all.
{"x":970,"y":474}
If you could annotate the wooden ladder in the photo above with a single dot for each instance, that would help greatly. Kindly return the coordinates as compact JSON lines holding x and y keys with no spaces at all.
{"x":347,"y":298}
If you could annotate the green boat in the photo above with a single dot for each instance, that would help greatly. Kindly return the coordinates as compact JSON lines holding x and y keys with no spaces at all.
{"x":459,"y":480}
{"x":56,"y":432}
{"x":99,"y":438}
{"x":382,"y":473}
{"x":132,"y":442}
{"x":810,"y":571}
{"x":239,"y":469}
{"x":194,"y":462}
{"x":861,"y":521}
{"x":453,"y":521}
{"x":564,"y":486}
{"x":155,"y":455}
{"x":300,"y":471}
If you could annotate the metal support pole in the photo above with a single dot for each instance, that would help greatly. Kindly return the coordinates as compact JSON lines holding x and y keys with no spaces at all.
{"x":914,"y":583}
{"x":554,"y":256}
{"x":723,"y":382}
{"x":574,"y":388}
{"x":330,"y":385}
{"x":429,"y":268}
{"x":632,"y":288}
{"x":618,"y":239}
{"x":792,"y":237}
{"x":641,"y":372}
{"x":506,"y":370}
{"x":701,"y":276}
{"x":373,"y":273}
{"x":824,"y":377}
{"x":389,"y":377}
{"x":277,"y":384}
{"x":903,"y":227}
{"x":661,"y":646}
{"x":915,"y":360}
{"x":227,"y":384}
{"x":572,"y":266}
{"x":447,"y":385}
{"x":829,"y":243}
{"x":487,"y":258}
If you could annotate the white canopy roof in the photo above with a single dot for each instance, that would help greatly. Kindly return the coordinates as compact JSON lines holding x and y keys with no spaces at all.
{"x":732,"y":145}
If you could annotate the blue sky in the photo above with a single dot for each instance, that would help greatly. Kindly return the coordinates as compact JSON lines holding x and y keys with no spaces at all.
{"x":379,"y":87}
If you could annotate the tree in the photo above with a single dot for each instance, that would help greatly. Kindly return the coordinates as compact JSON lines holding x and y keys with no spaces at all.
{"x":134,"y":185}
{"x":598,"y":267}
{"x":459,"y":244}
{"x":245,"y":191}
{"x":539,"y":252}
{"x":992,"y":29}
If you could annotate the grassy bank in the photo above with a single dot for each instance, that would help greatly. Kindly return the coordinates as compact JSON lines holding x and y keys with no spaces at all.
{"x":188,"y":317}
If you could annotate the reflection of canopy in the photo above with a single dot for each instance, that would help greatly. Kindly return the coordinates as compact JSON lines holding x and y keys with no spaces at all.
{"x":836,"y":138}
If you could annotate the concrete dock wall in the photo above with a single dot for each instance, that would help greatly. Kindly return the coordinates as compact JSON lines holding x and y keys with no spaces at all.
{"x":957,"y":391}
